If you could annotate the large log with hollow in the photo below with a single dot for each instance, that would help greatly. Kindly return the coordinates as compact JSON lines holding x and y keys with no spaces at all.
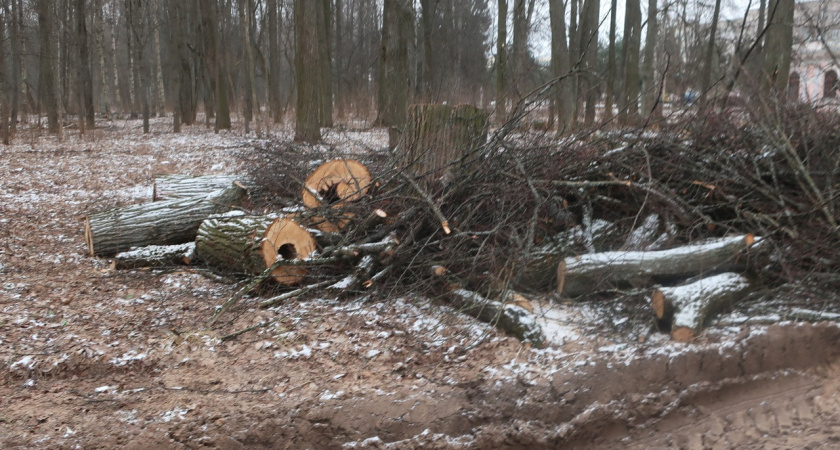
{"x":249,"y":245}
{"x":170,"y":186}
{"x":438,"y":140}
{"x":585,"y":274}
{"x":166,"y":222}
{"x":687,"y":309}
{"x":333,"y":184}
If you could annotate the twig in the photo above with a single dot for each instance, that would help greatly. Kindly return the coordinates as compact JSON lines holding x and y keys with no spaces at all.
{"x":291,"y":294}
{"x":444,"y":223}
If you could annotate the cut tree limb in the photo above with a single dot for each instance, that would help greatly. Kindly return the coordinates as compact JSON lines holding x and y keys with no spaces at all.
{"x":158,"y":223}
{"x":689,"y":308}
{"x":156,"y":256}
{"x":585,"y":274}
{"x":170,"y":186}
{"x":250,"y":244}
{"x":510,"y":317}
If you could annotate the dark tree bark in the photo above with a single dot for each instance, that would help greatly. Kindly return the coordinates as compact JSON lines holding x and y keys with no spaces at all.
{"x":307,"y":73}
{"x":520,"y":48}
{"x":632,"y":43}
{"x":325,"y":113}
{"x":650,"y":98}
{"x":612,"y":67}
{"x":709,"y":60}
{"x":274,"y":103}
{"x":85,"y":81}
{"x":46,"y":78}
{"x":213,"y":64}
{"x":137,"y":32}
{"x":427,"y":7}
{"x":245,"y":25}
{"x":393,"y":67}
{"x":501,"y":61}
{"x":4,"y":86}
{"x":589,"y":57}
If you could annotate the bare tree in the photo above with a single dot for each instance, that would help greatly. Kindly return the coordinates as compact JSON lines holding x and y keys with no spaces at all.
{"x":46,"y":78}
{"x":612,"y":67}
{"x":709,"y":61}
{"x":392,"y":102}
{"x":650,"y":98}
{"x":589,"y":84}
{"x":84,"y":75}
{"x":632,"y":42}
{"x":778,"y":43}
{"x":213,"y":64}
{"x":561,"y":67}
{"x":501,"y":61}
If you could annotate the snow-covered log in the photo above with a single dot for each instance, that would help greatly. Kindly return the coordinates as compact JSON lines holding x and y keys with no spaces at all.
{"x":510,"y":317}
{"x":252,"y":244}
{"x":167,"y":187}
{"x":585,"y":274}
{"x":166,"y":222}
{"x":690,"y":307}
{"x":156,"y":256}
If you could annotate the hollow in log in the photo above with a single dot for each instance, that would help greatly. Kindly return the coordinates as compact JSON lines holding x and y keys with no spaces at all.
{"x":251,"y":244}
{"x":687,"y":309}
{"x":439,"y":139}
{"x":166,"y":222}
{"x":336,"y":182}
{"x":585,"y":274}
{"x":156,"y":256}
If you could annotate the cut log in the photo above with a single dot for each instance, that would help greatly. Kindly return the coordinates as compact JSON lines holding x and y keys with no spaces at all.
{"x":585,"y":274}
{"x":438,"y":140}
{"x":336,"y":182}
{"x":158,"y":223}
{"x":251,"y":244}
{"x":170,"y":186}
{"x":689,"y":308}
{"x":156,"y":256}
{"x":509,"y":317}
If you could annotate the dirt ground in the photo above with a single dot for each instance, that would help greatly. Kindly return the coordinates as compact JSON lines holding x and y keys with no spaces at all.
{"x":96,"y":358}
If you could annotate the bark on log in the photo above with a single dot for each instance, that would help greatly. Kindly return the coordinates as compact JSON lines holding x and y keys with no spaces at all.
{"x":158,"y":223}
{"x":585,"y":274}
{"x":156,"y":256}
{"x":251,"y":244}
{"x":438,"y":139}
{"x":167,"y":187}
{"x":689,"y":308}
{"x":510,"y":317}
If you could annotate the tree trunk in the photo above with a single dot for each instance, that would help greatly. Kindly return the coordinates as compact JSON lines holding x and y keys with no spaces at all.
{"x":439,"y":140}
{"x":156,"y":256}
{"x":245,"y":25}
{"x":589,"y":20}
{"x":685,"y":310}
{"x":249,"y":245}
{"x":46,"y":79}
{"x":426,"y":84}
{"x":157,"y":223}
{"x":709,"y":61}
{"x":612,"y":67}
{"x":307,"y":72}
{"x":561,"y":66}
{"x":392,"y":101}
{"x":778,"y":43}
{"x":501,"y":62}
{"x":5,"y":134}
{"x":325,"y":92}
{"x":650,"y":99}
{"x":589,"y":273}
{"x":273,"y":79}
{"x":160,"y":95}
{"x":85,"y":80}
{"x":632,"y":42}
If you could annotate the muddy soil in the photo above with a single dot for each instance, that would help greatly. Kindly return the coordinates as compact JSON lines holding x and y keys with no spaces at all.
{"x":96,"y":358}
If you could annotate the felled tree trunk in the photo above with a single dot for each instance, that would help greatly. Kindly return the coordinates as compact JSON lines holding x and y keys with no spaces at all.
{"x":437,"y":140}
{"x":249,"y":245}
{"x":158,"y":223}
{"x":585,"y":274}
{"x":510,"y":317}
{"x":689,"y":308}
{"x":167,"y":187}
{"x":156,"y":256}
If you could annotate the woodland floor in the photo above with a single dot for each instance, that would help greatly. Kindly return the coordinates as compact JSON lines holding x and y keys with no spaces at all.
{"x":96,"y":358}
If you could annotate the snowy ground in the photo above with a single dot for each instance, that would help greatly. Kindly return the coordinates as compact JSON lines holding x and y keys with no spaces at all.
{"x":92,"y":357}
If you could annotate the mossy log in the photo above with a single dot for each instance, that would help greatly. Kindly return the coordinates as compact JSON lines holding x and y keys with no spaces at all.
{"x":166,"y":222}
{"x":438,"y":140}
{"x":156,"y":256}
{"x":687,"y":309}
{"x":510,"y":317}
{"x":589,"y":273}
{"x":249,"y":245}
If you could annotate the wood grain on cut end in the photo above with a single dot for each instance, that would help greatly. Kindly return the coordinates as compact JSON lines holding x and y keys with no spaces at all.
{"x":561,"y":276}
{"x":291,"y":241}
{"x":335,"y":182}
{"x":657,"y":300}
{"x":683,"y":334}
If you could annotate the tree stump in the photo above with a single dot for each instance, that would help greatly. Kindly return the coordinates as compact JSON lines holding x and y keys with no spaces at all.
{"x":158,"y":223}
{"x":438,"y":139}
{"x":251,"y":244}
